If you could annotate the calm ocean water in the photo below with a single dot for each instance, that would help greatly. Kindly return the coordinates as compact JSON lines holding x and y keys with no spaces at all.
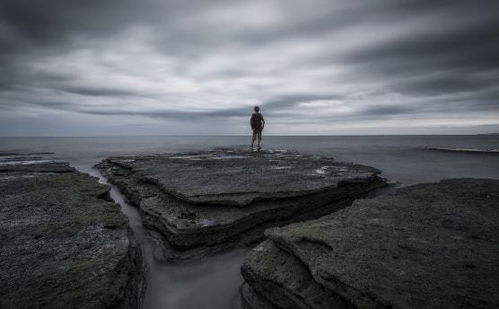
{"x":213,"y":283}
{"x":401,"y":158}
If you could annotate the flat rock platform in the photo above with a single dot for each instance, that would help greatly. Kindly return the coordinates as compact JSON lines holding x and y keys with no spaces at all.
{"x":63,"y":243}
{"x":205,"y":201}
{"x":432,"y":245}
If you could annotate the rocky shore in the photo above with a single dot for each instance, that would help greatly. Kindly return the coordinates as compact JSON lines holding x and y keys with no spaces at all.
{"x":426,"y":246}
{"x":63,"y":243}
{"x":199,"y":203}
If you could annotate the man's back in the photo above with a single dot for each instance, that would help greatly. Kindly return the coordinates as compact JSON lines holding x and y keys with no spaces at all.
{"x":256,"y":121}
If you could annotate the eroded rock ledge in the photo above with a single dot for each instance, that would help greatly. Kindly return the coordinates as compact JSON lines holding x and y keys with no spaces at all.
{"x":202,"y":202}
{"x":426,"y":246}
{"x":63,"y":243}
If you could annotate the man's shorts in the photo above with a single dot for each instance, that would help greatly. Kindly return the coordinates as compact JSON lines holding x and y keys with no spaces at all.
{"x":257,"y":133}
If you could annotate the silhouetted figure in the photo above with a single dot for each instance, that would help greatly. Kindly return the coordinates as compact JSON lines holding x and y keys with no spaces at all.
{"x":257,"y":124}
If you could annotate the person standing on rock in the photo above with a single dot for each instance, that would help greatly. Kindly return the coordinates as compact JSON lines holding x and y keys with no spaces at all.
{"x":257,"y":124}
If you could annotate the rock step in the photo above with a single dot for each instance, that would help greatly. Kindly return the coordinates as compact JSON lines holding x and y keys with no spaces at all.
{"x":425,"y":246}
{"x":234,"y":202}
{"x":63,"y":243}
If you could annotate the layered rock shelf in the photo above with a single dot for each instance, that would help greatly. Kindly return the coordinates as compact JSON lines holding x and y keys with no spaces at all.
{"x":425,"y":246}
{"x":203,"y":202}
{"x":64,"y":244}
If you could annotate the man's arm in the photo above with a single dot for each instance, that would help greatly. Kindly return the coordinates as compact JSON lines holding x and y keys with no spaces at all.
{"x":263,"y":122}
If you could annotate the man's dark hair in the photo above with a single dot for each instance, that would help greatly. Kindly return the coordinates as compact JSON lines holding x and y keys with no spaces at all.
{"x":257,"y":109}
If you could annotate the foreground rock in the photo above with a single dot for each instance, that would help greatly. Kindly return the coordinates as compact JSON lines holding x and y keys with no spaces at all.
{"x":426,"y":246}
{"x":63,"y":243}
{"x":199,"y":203}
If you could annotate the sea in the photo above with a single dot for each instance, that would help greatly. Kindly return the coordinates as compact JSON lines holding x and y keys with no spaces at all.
{"x":214,"y":282}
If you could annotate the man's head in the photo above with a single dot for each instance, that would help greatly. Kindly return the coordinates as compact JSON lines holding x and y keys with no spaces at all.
{"x":257,"y":109}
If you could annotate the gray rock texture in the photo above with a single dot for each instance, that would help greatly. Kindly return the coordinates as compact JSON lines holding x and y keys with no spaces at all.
{"x":63,"y":244}
{"x":292,"y":286}
{"x":206,"y":201}
{"x":251,"y":300}
{"x":426,"y":246}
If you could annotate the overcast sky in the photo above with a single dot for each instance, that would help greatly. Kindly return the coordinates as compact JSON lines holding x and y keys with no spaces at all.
{"x":127,"y":67}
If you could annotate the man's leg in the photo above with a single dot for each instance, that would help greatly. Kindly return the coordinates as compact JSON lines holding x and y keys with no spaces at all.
{"x":259,"y":136}
{"x":253,"y":139}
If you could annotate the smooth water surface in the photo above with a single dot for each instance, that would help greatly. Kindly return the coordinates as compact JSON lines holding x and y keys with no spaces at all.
{"x":401,"y":158}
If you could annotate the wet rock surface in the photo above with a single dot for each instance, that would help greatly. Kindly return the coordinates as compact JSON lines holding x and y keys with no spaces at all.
{"x":63,"y":243}
{"x":426,"y":246}
{"x":200,"y":203}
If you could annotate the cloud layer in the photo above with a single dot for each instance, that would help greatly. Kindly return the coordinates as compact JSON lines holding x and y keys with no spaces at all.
{"x":198,"y":67}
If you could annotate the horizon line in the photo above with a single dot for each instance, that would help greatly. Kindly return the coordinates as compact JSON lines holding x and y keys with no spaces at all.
{"x":236,"y":135}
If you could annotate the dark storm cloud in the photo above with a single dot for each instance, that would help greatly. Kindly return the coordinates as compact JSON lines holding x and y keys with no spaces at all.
{"x":170,"y":114}
{"x":471,"y":48}
{"x":389,"y":110}
{"x":50,"y":21}
{"x":163,"y":114}
{"x":315,"y":61}
{"x":445,"y":83}
{"x":97,"y":92}
{"x":277,"y":104}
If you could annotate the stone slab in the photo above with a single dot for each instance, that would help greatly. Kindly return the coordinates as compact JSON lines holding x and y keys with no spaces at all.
{"x":63,"y":244}
{"x":187,"y":226}
{"x":426,"y":246}
{"x":238,"y":177}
